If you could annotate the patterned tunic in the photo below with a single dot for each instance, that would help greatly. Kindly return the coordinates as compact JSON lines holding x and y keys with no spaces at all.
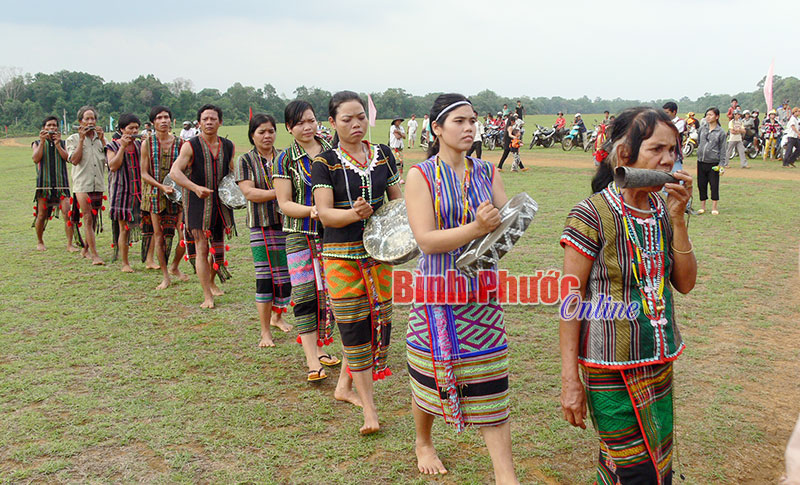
{"x":161,"y":159}
{"x":125,"y":184}
{"x":294,"y":164}
{"x":207,"y":170}
{"x":252,"y":166}
{"x":52,"y":180}
{"x":593,"y":229}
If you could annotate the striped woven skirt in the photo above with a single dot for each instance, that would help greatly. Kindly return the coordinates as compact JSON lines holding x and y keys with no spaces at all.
{"x":268,"y":245}
{"x":477,"y":363}
{"x":361,"y":299}
{"x":216,"y":248}
{"x":168,"y":218}
{"x":632,"y":412}
{"x":311,"y":311}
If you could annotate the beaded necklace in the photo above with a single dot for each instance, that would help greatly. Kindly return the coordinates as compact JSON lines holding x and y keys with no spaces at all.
{"x":267,"y":164}
{"x":365,"y":174}
{"x":464,"y":191}
{"x":648,"y":258}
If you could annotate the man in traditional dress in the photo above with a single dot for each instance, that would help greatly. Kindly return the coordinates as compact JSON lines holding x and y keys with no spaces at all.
{"x":85,"y":151}
{"x":159,"y":152}
{"x":52,"y":181}
{"x":125,"y":186}
{"x":199,"y":169}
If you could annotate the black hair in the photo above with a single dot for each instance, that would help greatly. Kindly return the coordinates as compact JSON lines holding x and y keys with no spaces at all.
{"x":670,"y":106}
{"x":734,"y":99}
{"x":293,"y":113}
{"x":258,"y":120}
{"x":442,"y":101}
{"x":714,"y":109}
{"x":606,"y":112}
{"x":340,"y":98}
{"x":156,"y":110}
{"x":631,"y":127}
{"x":126,"y":119}
{"x":48,"y":118}
{"x":207,"y":107}
{"x":83,"y":109}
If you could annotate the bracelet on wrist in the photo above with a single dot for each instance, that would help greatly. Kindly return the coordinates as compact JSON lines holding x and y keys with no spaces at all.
{"x":691,"y":248}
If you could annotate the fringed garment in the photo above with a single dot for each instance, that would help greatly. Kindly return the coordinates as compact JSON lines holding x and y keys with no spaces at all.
{"x":154,"y":200}
{"x":458,"y":354}
{"x":52,"y":180}
{"x":311,"y":309}
{"x":95,"y":200}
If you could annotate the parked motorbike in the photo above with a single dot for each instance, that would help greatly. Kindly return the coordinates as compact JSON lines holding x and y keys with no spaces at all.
{"x":572,"y":139}
{"x":493,"y":137}
{"x":690,"y":144}
{"x":544,"y":137}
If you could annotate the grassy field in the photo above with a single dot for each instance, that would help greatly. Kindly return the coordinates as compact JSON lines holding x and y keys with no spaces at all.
{"x":103,"y":379}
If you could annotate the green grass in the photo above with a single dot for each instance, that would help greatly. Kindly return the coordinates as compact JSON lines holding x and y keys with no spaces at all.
{"x":103,"y":379}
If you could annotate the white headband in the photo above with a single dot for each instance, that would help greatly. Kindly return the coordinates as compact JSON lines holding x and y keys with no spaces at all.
{"x":454,"y":105}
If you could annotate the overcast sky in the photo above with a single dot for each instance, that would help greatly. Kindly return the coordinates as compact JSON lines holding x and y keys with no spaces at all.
{"x":628,"y":49}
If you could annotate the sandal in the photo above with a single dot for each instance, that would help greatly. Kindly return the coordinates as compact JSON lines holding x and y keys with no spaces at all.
{"x":320,"y":375}
{"x":701,"y":211}
{"x":714,"y":213}
{"x":329,"y":361}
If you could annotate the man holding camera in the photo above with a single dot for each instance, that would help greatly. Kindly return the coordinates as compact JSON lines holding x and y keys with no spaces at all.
{"x":52,"y":181}
{"x":86,"y":153}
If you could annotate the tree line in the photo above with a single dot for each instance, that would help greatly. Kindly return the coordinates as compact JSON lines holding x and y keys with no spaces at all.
{"x":25,"y":99}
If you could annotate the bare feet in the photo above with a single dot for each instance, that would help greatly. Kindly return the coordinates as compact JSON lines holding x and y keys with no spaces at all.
{"x":278,"y":321}
{"x":216,"y":291}
{"x":72,"y":249}
{"x":266,"y":340}
{"x":347,"y":395}
{"x":164,"y":284}
{"x":428,"y":461}
{"x":126,"y":268}
{"x":97,"y":261}
{"x":85,"y":253}
{"x":151,"y":265}
{"x":370,"y":424}
{"x":207,"y":303}
{"x":40,"y":247}
{"x":179,"y":274}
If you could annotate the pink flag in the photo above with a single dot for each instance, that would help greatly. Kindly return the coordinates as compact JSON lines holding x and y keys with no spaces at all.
{"x":768,"y":86}
{"x":373,"y":113}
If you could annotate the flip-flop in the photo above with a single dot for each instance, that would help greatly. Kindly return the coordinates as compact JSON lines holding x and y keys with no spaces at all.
{"x":714,"y":213}
{"x":701,"y":211}
{"x":319,"y":375}
{"x":330,"y":361}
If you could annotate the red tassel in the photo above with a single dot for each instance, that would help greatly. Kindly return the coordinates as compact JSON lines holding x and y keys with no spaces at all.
{"x":319,"y":343}
{"x":329,"y":341}
{"x":216,"y":267}
{"x":102,"y":207}
{"x":130,"y":244}
{"x":388,"y":372}
{"x":71,"y":200}
{"x":105,"y":197}
{"x":208,"y":233}
{"x":225,"y":263}
{"x":227,"y":230}
{"x":69,"y":214}
{"x":51,"y":218}
{"x":291,"y":303}
{"x":34,"y":213}
{"x":80,"y":224}
{"x":182,"y":243}
{"x":63,"y":197}
{"x":69,"y":223}
{"x":212,"y":250}
{"x":374,"y":376}
{"x":349,"y":374}
{"x":94,"y":213}
{"x":299,"y":340}
{"x":126,"y":226}
{"x":34,"y":206}
{"x":186,"y":257}
{"x":227,"y":247}
{"x":88,"y":200}
{"x":112,"y":245}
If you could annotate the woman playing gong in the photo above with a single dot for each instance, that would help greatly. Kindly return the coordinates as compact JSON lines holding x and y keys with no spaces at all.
{"x":292,"y":181}
{"x":350,"y":183}
{"x":630,"y":246}
{"x":457,"y":353}
{"x":267,"y":239}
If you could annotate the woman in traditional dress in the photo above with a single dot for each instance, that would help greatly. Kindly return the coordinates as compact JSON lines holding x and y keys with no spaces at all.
{"x":457,"y":353}
{"x":350,"y":183}
{"x":629,"y":246}
{"x":267,"y":239}
{"x":125,"y":186}
{"x":292,"y":181}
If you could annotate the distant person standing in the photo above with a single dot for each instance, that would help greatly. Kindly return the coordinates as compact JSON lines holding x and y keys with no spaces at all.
{"x":87,"y":156}
{"x":784,"y":113}
{"x":734,"y":105}
{"x":520,"y":110}
{"x":187,"y":131}
{"x":425,"y":130}
{"x":396,"y":136}
{"x":772,"y":135}
{"x":561,"y":122}
{"x":737,"y":130}
{"x":52,"y":180}
{"x":671,"y":108}
{"x":710,"y":157}
{"x":792,"y":139}
{"x":516,"y":142}
{"x":508,"y":128}
{"x":505,"y":110}
{"x":412,"y":130}
{"x":477,"y":143}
